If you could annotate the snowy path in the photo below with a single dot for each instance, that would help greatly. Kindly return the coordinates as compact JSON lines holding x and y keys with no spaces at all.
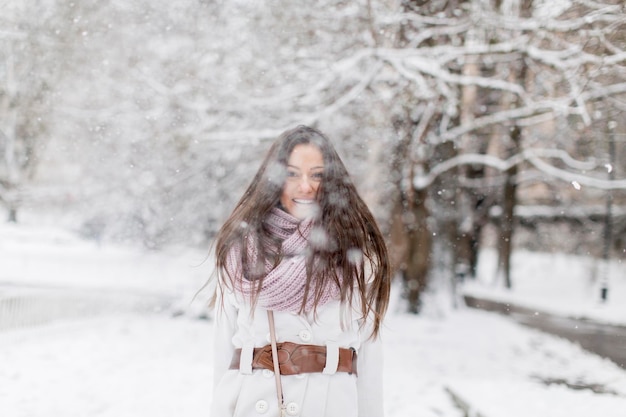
{"x":153,"y":365}
{"x":496,"y":365}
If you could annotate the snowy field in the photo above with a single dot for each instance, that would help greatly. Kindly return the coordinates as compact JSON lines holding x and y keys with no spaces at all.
{"x":559,"y":284}
{"x":136,"y":362}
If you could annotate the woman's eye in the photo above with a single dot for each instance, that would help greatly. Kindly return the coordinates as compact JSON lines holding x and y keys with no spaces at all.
{"x":292,"y":174}
{"x":318,"y":176}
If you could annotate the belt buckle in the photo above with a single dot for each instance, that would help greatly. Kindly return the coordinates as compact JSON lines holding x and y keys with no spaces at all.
{"x":285,"y":362}
{"x":284,"y":350}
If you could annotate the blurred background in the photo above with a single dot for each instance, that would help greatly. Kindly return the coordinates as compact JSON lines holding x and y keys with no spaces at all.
{"x":465,"y":124}
{"x":487,"y":136}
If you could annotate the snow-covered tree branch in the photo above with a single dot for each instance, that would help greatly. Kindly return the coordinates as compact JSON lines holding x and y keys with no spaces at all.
{"x":533,"y":156}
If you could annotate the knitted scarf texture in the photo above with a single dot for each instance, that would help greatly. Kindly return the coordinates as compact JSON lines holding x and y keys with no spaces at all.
{"x":283,"y":286}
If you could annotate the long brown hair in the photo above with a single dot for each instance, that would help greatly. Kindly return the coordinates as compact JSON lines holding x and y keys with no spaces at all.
{"x":352,"y":237}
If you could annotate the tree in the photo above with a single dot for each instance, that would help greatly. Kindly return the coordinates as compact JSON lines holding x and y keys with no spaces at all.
{"x":515,"y":67}
{"x":27,"y":78}
{"x":165,"y":107}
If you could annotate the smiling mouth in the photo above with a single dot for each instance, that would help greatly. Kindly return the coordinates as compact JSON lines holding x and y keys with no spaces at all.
{"x":301,"y":201}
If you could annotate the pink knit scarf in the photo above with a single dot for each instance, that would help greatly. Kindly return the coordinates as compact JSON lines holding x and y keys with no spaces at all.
{"x":283,"y":286}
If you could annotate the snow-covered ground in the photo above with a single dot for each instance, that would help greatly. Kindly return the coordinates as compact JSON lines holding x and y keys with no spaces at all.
{"x":137,"y":362}
{"x":559,"y":284}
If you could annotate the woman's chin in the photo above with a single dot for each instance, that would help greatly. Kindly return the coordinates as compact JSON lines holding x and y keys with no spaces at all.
{"x":305,"y":211}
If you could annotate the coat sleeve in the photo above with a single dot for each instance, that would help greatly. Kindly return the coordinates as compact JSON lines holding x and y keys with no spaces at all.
{"x":370,"y":378}
{"x":225,"y":326}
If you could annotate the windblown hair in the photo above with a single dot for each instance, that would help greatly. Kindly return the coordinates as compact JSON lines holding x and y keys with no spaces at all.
{"x":351,"y":247}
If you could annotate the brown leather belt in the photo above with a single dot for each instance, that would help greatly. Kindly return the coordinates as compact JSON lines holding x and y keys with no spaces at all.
{"x":294,"y":358}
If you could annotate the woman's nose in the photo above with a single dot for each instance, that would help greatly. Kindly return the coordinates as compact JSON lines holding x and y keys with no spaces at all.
{"x":305,"y":184}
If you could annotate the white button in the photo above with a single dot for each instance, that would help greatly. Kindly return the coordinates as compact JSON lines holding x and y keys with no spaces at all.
{"x":292,"y":409}
{"x":268,"y":337}
{"x":261,"y":407}
{"x":267,"y":373}
{"x":305,"y":335}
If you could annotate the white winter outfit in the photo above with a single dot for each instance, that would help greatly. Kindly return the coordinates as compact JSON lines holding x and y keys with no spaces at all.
{"x":245,"y":392}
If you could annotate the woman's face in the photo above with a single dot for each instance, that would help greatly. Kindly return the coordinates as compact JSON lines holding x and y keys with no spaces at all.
{"x":305,"y":171}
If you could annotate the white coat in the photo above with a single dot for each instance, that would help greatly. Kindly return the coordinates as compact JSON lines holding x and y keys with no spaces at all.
{"x":252,"y":393}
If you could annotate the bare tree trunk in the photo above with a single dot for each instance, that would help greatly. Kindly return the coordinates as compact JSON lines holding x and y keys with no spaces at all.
{"x":12,"y":215}
{"x":608,"y":219}
{"x":473,"y":215}
{"x":419,"y":249}
{"x":411,"y":247}
{"x":465,"y":239}
{"x":8,"y":134}
{"x":444,"y":201}
{"x":410,"y":235}
{"x":410,"y":229}
{"x":505,"y":246}
{"x":518,"y":73}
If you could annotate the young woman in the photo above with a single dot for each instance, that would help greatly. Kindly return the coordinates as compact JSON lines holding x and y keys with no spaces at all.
{"x":302,"y":245}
